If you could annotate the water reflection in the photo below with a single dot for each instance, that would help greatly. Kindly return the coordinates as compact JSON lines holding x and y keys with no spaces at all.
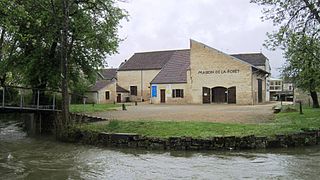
{"x":44,"y":158}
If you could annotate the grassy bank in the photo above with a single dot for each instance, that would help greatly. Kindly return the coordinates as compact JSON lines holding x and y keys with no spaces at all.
{"x":284,"y":123}
{"x":88,"y":108}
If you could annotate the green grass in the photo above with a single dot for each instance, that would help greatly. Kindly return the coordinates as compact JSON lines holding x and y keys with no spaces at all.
{"x":88,"y":108}
{"x":284,"y":123}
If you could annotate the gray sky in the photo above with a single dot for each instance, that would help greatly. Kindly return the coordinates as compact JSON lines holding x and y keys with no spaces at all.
{"x":232,"y":26}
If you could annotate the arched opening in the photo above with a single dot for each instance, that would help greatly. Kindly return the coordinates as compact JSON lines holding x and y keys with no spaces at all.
{"x":206,"y":95}
{"x":232,"y":95}
{"x":219,"y":95}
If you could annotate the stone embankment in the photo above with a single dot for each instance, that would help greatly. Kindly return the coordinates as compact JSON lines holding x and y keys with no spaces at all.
{"x":304,"y":138}
{"x":84,"y":118}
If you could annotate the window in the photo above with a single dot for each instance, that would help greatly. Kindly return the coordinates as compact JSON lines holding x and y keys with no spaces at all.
{"x":133,"y":90}
{"x":177,"y":93}
{"x":107,"y":95}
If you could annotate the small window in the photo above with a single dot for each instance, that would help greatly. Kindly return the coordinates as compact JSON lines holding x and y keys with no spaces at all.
{"x":133,"y":90}
{"x":177,"y":93}
{"x":107,"y":95}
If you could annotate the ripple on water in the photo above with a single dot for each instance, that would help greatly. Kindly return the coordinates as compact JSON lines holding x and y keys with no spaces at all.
{"x":36,"y":158}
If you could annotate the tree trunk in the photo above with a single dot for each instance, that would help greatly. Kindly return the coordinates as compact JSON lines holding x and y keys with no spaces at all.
{"x":64,"y":66}
{"x":1,"y":42}
{"x":314,"y":96}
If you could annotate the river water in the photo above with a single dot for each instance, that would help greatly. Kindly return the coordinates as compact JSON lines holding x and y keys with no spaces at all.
{"x":23,"y":157}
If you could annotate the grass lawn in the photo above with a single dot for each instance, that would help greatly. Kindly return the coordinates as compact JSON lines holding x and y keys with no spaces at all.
{"x":87,"y":108}
{"x":284,"y":123}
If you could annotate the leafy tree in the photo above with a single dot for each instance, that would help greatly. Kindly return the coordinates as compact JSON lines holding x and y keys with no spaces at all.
{"x":291,"y":16}
{"x":299,"y":36}
{"x":35,"y":27}
{"x":303,"y":64}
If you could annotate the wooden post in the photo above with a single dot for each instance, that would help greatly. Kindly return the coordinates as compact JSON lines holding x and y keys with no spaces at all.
{"x":21,"y":99}
{"x":300,"y":104}
{"x":53,"y":102}
{"x":38,"y":100}
{"x":84,"y":103}
{"x":3,"y":96}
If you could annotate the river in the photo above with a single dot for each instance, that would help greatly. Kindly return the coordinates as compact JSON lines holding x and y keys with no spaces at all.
{"x":23,"y":157}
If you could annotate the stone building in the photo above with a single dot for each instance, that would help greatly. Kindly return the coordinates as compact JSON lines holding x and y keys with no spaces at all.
{"x":106,"y":89}
{"x":198,"y":75}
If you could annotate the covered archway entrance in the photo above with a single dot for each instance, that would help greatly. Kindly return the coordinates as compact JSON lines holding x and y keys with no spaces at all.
{"x":232,"y":95}
{"x":219,"y":95}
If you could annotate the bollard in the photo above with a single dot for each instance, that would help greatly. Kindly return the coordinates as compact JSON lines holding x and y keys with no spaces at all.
{"x":300,"y":104}
{"x":124,"y":107}
{"x":135,"y":103}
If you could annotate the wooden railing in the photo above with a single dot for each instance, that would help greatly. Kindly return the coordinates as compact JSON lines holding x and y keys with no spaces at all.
{"x":22,"y":98}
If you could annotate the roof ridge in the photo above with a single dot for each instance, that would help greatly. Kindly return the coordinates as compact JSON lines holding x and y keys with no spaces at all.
{"x":247,"y":53}
{"x":162,"y":51}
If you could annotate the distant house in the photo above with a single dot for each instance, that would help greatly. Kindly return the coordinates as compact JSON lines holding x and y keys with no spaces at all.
{"x":280,"y":90}
{"x":106,"y":89}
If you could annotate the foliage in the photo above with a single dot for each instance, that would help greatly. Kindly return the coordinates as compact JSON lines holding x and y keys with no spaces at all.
{"x":299,"y":36}
{"x":284,"y":123}
{"x":303,"y":62}
{"x":32,"y":32}
{"x":292,"y":17}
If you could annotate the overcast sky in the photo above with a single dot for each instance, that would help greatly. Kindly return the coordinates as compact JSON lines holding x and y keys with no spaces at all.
{"x":232,"y":26}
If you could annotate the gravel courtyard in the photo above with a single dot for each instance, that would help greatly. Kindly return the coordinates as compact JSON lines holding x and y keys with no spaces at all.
{"x":212,"y":112}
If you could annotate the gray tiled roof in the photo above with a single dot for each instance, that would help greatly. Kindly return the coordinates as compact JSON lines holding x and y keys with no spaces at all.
{"x":147,"y":60}
{"x":121,"y":89}
{"x":108,"y":73}
{"x":100,"y":84}
{"x":256,"y":59}
{"x":175,"y":71}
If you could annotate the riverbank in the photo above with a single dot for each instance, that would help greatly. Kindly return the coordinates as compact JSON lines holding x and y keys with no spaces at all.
{"x":288,"y":129}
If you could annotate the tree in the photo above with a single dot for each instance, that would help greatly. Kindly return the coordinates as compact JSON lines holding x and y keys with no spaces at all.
{"x":303,"y":64}
{"x":298,"y":35}
{"x":53,"y":43}
{"x":92,"y":36}
{"x":291,"y":16}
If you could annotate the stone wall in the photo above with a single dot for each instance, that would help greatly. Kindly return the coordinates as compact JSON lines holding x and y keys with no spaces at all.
{"x":305,"y":138}
{"x":211,"y":68}
{"x":169,"y":98}
{"x":139,"y":78}
{"x":304,"y":96}
{"x":83,"y":118}
{"x":255,"y":77}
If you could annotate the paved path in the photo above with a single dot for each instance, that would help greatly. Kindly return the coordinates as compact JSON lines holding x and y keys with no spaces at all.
{"x":211,"y":113}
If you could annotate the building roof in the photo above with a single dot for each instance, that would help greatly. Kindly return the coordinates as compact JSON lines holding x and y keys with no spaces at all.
{"x":175,"y":70}
{"x":175,"y":63}
{"x":108,"y":73}
{"x":121,"y":89}
{"x":100,"y":85}
{"x":147,"y":60}
{"x":256,"y":59}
